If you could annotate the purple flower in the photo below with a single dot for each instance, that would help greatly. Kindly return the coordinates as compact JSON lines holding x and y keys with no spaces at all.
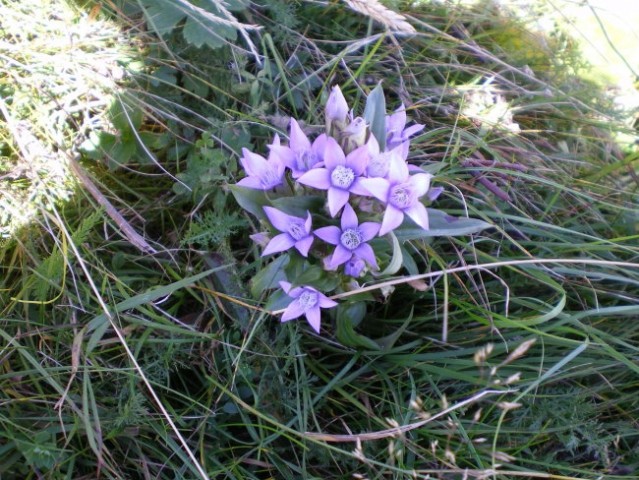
{"x":400,"y":192}
{"x":379,"y":162}
{"x":396,"y":134}
{"x":300,"y":155}
{"x":307,"y":301}
{"x":295,"y":232}
{"x":350,"y":240}
{"x":340,"y":175}
{"x":336,"y":106}
{"x":354,"y":267}
{"x":263,"y":174}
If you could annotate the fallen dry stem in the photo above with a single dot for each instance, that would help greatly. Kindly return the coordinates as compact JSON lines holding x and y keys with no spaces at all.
{"x":468,"y":268}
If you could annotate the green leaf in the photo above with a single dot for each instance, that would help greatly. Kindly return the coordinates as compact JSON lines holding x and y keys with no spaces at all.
{"x":201,"y":30}
{"x":396,"y":260}
{"x":270,"y":276}
{"x":236,"y":5}
{"x":163,"y":15}
{"x":196,"y":86}
{"x":348,"y":315}
{"x":251,"y":200}
{"x":443,"y":225}
{"x":202,"y":26}
{"x":317,"y":277}
{"x":408,"y":262}
{"x":375,"y":115}
{"x":387,"y":342}
{"x":98,"y":145}
{"x":125,"y":116}
{"x":298,"y":206}
{"x":122,"y":151}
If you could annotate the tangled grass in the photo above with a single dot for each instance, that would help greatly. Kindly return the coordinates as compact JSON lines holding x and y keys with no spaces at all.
{"x":133,"y":344}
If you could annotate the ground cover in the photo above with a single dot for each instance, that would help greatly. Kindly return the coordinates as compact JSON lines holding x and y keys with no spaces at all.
{"x":135,"y":337}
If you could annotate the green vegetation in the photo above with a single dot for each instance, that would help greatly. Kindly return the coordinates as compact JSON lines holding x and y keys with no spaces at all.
{"x":133,"y":337}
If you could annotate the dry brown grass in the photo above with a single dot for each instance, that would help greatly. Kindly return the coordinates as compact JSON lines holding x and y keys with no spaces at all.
{"x":381,"y":14}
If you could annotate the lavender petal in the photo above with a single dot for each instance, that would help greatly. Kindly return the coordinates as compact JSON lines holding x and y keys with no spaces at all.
{"x":366,"y":253}
{"x":340,"y":255}
{"x":393,"y":218}
{"x":358,"y":160}
{"x":337,"y":198}
{"x":397,"y":170}
{"x":278,"y":219}
{"x":298,"y":140}
{"x":349,"y":218}
{"x":313,"y":316}
{"x":319,"y":178}
{"x":369,"y":230}
{"x":279,"y":243}
{"x":294,"y":310}
{"x":419,"y":214}
{"x":329,"y":234}
{"x":420,"y":183}
{"x":377,"y":187}
{"x":333,"y":154}
{"x":304,"y":245}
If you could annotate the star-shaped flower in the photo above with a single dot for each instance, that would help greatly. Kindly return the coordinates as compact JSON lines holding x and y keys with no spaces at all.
{"x":263,"y":174}
{"x":400,"y":192}
{"x":296,"y":232}
{"x":396,"y":133}
{"x":379,"y":162}
{"x":307,"y":301}
{"x":350,"y":240}
{"x":300,"y":155}
{"x":340,"y":175}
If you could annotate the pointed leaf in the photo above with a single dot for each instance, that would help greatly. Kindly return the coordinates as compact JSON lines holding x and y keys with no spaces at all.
{"x":270,"y":276}
{"x":396,"y":260}
{"x":348,"y":315}
{"x":375,"y":115}
{"x":387,"y":342}
{"x":443,"y":225}
{"x":299,"y":206}
{"x":251,"y":200}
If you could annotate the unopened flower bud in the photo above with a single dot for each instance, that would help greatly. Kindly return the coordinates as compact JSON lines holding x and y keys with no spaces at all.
{"x":336,"y":106}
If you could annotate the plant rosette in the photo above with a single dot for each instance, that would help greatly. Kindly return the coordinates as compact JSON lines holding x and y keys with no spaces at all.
{"x":327,"y":201}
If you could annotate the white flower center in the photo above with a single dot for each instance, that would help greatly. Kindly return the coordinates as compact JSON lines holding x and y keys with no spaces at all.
{"x":297,"y":230}
{"x":351,"y":238}
{"x":308,"y":299}
{"x":342,"y":177}
{"x":401,"y":196}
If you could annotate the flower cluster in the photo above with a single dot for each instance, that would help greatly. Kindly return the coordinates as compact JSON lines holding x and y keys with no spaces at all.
{"x":359,"y":175}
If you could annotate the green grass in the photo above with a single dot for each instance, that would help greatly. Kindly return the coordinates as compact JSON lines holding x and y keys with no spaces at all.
{"x":132,"y":344}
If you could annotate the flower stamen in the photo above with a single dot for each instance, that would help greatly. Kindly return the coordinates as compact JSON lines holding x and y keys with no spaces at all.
{"x":351,"y":238}
{"x":401,"y":196}
{"x":308,"y":299}
{"x":342,"y":177}
{"x":297,"y":230}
